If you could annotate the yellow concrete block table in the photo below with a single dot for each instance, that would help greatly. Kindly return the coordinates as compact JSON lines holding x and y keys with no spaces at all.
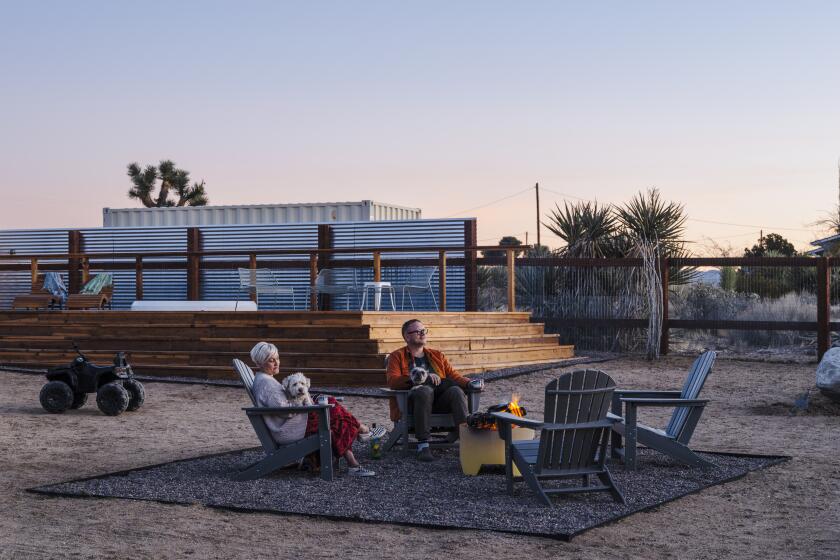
{"x":485,"y":447}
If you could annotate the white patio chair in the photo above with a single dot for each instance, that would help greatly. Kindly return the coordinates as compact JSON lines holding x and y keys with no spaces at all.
{"x":327,"y":282}
{"x":419,"y":281}
{"x":264,"y":281}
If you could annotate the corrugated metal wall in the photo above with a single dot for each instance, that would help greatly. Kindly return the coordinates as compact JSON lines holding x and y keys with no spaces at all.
{"x":157,"y":284}
{"x":224,"y":284}
{"x":415,"y":233}
{"x":171,"y":284}
{"x":331,"y":212}
{"x":27,"y":241}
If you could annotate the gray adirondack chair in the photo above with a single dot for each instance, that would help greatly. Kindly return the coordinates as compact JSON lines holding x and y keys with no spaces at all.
{"x":404,"y":427}
{"x":673,"y":440}
{"x":573,"y":437}
{"x":277,"y":455}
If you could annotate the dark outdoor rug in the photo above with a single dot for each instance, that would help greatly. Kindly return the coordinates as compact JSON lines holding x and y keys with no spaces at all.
{"x":435,"y":495}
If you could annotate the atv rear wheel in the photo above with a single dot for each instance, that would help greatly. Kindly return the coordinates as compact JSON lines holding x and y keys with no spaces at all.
{"x":79,"y":400}
{"x":56,"y":397}
{"x":112,"y":398}
{"x":137,"y":394}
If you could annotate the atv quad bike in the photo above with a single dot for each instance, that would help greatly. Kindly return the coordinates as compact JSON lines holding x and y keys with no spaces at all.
{"x":115,"y":387}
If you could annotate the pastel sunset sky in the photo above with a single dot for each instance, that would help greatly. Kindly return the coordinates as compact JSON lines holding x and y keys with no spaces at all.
{"x":731,"y":108}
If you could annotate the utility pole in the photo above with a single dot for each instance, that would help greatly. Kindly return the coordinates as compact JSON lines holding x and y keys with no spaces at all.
{"x":538,"y":213}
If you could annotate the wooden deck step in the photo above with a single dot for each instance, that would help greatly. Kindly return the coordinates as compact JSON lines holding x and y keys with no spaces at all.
{"x":332,"y":348}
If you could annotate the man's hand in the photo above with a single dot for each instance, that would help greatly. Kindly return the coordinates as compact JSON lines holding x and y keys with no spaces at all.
{"x":435,"y":378}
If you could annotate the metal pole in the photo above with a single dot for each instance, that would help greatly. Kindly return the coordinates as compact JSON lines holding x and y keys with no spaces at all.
{"x":511,"y":295}
{"x":538,"y":213}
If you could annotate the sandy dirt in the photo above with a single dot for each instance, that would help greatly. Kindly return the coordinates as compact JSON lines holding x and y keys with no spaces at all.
{"x":787,"y":511}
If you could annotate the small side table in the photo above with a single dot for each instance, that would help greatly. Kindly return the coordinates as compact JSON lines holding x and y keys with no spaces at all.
{"x":378,"y":288}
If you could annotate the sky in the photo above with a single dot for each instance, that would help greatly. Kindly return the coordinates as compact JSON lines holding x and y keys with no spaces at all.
{"x":458,"y":108}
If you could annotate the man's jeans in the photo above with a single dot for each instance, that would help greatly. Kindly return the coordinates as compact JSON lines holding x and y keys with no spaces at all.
{"x":422,"y":402}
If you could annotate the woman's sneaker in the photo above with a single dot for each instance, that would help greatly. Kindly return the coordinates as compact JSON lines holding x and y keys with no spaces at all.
{"x":360,"y":471}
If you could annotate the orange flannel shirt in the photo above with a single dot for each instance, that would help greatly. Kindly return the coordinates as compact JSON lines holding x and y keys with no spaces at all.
{"x":399,"y":364}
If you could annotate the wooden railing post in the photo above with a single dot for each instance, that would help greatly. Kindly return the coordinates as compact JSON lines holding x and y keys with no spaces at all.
{"x":511,"y":295}
{"x":325,"y":242}
{"x":74,"y":247}
{"x":253,"y":266}
{"x":664,"y":337}
{"x":85,"y":269}
{"x":470,"y":266}
{"x":823,"y":307}
{"x":377,"y":266}
{"x":442,"y":279}
{"x":313,"y":275}
{"x":193,"y":264}
{"x":33,"y":269}
{"x":138,"y":277}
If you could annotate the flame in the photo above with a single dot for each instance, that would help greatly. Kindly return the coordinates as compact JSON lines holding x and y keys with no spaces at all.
{"x":513,"y":406}
{"x":484,"y":421}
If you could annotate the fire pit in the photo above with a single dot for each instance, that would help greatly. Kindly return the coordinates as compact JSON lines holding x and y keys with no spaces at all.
{"x":480,"y":441}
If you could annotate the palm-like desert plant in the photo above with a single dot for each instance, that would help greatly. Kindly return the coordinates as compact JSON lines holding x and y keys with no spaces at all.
{"x":589,"y":230}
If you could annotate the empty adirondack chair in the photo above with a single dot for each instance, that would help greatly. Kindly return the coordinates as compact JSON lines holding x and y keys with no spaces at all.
{"x":95,"y":294}
{"x":673,"y":440}
{"x":573,"y":437}
{"x":441,"y":422}
{"x":278,"y":455}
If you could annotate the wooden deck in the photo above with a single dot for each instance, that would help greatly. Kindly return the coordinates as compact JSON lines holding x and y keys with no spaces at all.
{"x":332,"y":348}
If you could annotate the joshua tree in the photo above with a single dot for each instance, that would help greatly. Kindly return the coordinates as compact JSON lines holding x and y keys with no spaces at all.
{"x":831,"y":222}
{"x":171,"y":179}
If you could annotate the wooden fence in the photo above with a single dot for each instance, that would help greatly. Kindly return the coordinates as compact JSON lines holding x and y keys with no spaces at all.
{"x":78,"y":264}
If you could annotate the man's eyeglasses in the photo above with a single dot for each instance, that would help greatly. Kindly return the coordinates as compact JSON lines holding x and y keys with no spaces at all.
{"x":421,"y":332}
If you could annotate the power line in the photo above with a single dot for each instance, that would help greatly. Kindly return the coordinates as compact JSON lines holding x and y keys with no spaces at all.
{"x":489,"y":203}
{"x":692,"y":219}
{"x":745,"y":225}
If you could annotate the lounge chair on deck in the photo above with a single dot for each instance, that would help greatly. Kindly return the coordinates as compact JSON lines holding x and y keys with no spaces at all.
{"x":328,"y":283}
{"x":39,"y":298}
{"x":673,"y":440}
{"x":573,"y":437}
{"x":95,"y":294}
{"x":278,"y":455}
{"x":419,"y":281}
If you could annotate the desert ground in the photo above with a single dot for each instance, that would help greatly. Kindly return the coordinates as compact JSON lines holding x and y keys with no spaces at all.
{"x":790,"y":510}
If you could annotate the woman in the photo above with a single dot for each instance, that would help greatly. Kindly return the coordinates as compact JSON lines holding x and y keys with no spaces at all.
{"x":344,"y":428}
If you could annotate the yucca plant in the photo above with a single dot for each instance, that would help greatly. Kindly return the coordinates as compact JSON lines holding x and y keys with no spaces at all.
{"x":650,"y":221}
{"x":587,"y":228}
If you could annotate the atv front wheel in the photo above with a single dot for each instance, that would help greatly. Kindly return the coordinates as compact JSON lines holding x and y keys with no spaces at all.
{"x":79,"y":400}
{"x":137,"y":394}
{"x":112,"y":399}
{"x":56,"y":397}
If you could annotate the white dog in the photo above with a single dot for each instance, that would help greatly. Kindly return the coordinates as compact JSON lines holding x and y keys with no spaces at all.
{"x":418,"y":376}
{"x":296,"y":386}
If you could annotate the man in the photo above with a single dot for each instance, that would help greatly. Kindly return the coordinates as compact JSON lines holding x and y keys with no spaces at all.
{"x":425,"y":399}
